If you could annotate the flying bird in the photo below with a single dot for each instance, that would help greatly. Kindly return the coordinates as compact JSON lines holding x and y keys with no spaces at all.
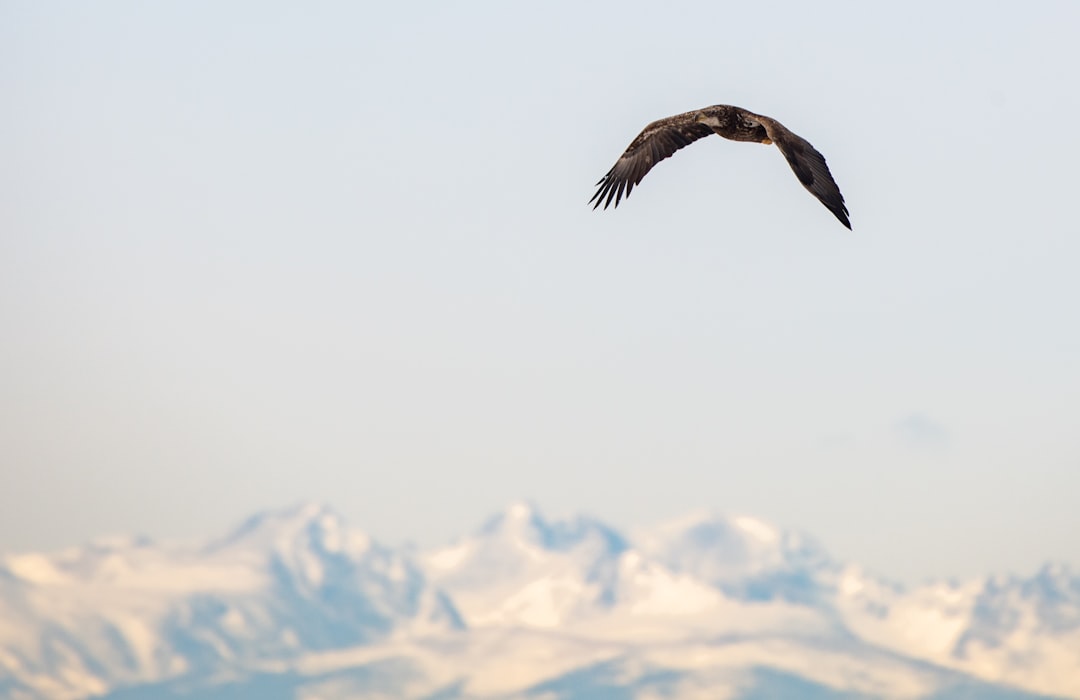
{"x":662,"y":138}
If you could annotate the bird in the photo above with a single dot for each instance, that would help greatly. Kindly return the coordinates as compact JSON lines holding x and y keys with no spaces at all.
{"x":660,"y":140}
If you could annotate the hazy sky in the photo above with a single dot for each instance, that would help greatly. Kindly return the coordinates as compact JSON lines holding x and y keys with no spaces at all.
{"x":253,"y":253}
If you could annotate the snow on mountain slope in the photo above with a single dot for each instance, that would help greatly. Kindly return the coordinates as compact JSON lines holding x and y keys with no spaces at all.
{"x":294,"y":604}
{"x":746,"y":558}
{"x":533,"y":663}
{"x":519,"y":568}
{"x":719,"y":577}
{"x":128,"y":611}
{"x":1024,"y":632}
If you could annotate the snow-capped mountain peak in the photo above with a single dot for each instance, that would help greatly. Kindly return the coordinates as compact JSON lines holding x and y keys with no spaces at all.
{"x":744,"y":556}
{"x":284,"y":581}
{"x":521,"y":566}
{"x":314,"y":526}
{"x":524,"y":526}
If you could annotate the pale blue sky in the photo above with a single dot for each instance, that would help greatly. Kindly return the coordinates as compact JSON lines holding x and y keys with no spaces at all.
{"x":255,"y":253}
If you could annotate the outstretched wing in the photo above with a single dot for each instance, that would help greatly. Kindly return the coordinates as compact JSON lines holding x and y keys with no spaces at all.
{"x":809,"y":166}
{"x":656,"y":142}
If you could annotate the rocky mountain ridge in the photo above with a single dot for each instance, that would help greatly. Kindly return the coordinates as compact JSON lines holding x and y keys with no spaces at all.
{"x":294,"y":602}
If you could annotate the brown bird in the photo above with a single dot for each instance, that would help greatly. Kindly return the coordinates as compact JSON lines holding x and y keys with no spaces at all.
{"x":662,"y":138}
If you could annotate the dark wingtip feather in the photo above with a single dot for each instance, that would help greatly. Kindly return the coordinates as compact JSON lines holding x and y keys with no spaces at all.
{"x":840,"y":212}
{"x":656,"y":142}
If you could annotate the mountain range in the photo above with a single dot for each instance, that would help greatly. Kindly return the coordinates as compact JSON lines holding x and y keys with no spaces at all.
{"x":295,"y":604}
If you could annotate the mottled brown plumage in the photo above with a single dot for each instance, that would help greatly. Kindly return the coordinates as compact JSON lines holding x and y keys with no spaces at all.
{"x":662,"y":138}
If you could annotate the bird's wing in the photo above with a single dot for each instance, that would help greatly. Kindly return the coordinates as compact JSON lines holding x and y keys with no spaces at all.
{"x":656,"y":142}
{"x":809,"y":166}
